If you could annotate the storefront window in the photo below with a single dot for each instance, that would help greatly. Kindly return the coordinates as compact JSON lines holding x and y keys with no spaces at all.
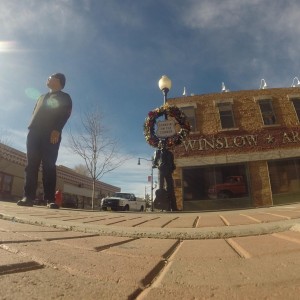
{"x":285,"y":180}
{"x":215,"y":187}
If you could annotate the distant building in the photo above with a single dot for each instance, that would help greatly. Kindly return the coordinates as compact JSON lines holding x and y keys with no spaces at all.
{"x":74,"y":186}
{"x":243,"y":151}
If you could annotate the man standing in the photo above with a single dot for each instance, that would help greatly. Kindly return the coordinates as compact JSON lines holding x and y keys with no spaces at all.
{"x":50,"y":115}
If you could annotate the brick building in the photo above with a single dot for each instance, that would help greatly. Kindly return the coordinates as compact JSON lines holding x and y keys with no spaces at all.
{"x":243,"y":150}
{"x":75,"y":187}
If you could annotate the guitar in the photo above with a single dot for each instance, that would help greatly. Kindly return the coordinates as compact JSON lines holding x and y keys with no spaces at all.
{"x":161,"y":199}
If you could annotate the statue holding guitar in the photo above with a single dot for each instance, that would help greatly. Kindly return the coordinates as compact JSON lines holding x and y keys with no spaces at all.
{"x":164,"y":160}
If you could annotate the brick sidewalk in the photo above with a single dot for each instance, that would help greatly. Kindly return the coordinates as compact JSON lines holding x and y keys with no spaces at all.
{"x":42,"y":257}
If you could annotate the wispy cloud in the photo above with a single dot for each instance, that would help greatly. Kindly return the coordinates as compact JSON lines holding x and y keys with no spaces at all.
{"x":33,"y":24}
{"x":247,"y":39}
{"x":210,"y":15}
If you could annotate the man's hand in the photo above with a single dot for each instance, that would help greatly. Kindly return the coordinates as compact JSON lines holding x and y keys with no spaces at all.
{"x":54,"y":137}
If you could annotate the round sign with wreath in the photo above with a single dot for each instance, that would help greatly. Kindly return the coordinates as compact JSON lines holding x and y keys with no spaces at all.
{"x":150,"y":126}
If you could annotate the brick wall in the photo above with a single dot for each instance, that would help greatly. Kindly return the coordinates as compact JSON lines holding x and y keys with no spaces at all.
{"x":260,"y":183}
{"x":248,"y":118}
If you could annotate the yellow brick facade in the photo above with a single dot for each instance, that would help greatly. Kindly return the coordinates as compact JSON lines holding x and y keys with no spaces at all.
{"x":249,"y":143}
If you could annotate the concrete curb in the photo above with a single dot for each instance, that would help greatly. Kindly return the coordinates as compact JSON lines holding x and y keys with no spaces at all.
{"x":165,"y":233}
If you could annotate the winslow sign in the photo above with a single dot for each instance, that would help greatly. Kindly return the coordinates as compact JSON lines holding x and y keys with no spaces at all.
{"x":262,"y":140}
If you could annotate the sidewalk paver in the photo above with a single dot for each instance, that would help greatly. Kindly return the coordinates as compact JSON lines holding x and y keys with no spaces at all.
{"x":74,"y":254}
{"x":238,"y":219}
{"x":210,"y":221}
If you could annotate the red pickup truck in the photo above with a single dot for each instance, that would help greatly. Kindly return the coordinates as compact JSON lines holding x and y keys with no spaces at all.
{"x":232,"y":187}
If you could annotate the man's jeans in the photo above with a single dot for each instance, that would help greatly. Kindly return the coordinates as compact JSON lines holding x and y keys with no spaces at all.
{"x":40,"y":150}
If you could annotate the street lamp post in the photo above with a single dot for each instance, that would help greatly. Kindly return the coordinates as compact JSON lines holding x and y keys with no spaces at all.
{"x":139,"y":162}
{"x":165,"y":156}
{"x":165,"y":85}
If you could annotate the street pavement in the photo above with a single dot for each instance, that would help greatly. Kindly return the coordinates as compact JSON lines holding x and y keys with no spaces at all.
{"x":76,"y":254}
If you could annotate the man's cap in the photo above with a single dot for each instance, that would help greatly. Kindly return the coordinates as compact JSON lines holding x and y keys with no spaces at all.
{"x":61,"y":77}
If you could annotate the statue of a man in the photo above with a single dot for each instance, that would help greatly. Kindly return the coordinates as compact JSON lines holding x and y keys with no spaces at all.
{"x":164,"y":161}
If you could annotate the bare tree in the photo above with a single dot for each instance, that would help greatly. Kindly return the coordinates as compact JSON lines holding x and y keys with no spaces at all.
{"x":98,"y":150}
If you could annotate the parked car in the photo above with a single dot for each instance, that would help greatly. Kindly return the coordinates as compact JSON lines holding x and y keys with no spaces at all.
{"x":123,"y":201}
{"x":232,"y":187}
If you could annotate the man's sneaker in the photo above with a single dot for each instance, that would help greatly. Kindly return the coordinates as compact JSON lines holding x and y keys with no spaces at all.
{"x":52,"y":205}
{"x":25,"y":202}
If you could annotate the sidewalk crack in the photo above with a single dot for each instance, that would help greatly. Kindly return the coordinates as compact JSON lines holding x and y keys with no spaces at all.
{"x":20,"y":267}
{"x":154,"y":277}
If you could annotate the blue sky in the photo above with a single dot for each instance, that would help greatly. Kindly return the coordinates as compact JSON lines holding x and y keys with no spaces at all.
{"x":113,"y":52}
